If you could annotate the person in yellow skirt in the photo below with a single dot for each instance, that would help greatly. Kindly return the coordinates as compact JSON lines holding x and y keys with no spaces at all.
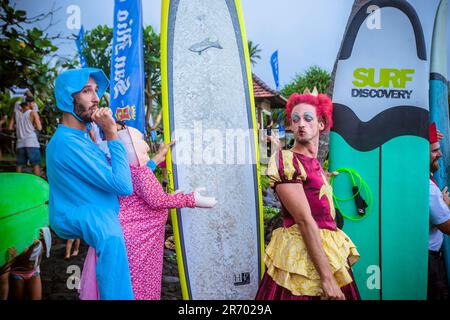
{"x":309,"y":257}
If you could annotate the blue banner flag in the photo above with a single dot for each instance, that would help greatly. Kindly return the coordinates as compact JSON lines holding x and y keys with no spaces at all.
{"x":127,"y":65}
{"x":81,"y":45}
{"x":274,"y":64}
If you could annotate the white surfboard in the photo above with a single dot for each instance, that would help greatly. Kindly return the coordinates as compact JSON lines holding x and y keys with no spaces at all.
{"x":208,"y":108}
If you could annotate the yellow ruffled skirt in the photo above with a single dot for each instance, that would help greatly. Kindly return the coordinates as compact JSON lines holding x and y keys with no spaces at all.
{"x":289,"y":265}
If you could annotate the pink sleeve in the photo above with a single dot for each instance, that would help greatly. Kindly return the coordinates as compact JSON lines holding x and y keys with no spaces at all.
{"x":148,"y":188}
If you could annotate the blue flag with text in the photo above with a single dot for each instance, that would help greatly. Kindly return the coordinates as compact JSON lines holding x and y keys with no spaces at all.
{"x":127,"y":65}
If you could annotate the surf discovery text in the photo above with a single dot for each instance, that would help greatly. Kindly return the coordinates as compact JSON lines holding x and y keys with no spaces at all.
{"x":387,"y":78}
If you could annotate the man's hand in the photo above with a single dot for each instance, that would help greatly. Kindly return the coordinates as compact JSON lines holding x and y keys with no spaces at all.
{"x":103,"y":117}
{"x":275,"y":142}
{"x":162,"y":151}
{"x":445,"y":195}
{"x":331,"y":290}
{"x":439,"y":135}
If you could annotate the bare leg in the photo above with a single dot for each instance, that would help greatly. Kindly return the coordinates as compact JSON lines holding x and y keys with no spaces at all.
{"x":18,"y":286}
{"x":34,"y":287}
{"x":4,"y":286}
{"x":37,"y":170}
{"x":76,"y":248}
{"x":68,"y":248}
{"x":4,"y":278}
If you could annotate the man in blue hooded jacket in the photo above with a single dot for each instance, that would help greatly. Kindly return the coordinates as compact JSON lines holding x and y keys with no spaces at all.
{"x":84,"y":186}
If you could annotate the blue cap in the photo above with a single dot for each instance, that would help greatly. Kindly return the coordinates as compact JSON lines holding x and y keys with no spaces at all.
{"x":72,"y":81}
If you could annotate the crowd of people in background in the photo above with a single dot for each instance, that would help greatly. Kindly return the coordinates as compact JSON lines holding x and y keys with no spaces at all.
{"x":103,"y":191}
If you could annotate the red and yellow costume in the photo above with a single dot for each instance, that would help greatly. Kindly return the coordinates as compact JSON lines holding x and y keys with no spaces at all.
{"x":291,"y":274}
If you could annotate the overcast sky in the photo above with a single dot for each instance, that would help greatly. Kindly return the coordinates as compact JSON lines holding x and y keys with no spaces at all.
{"x":305,"y":32}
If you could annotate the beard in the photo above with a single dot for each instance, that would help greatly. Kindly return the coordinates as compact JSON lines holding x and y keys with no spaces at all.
{"x":434,"y":166}
{"x":302,"y":140}
{"x":306,"y":138}
{"x":83,"y":112}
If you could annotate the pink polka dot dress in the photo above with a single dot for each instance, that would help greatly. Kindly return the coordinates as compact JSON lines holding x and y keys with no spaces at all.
{"x":143,"y":217}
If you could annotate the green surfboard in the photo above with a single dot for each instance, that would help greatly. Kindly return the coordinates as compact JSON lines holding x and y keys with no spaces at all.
{"x":23,"y":211}
{"x":381,"y":131}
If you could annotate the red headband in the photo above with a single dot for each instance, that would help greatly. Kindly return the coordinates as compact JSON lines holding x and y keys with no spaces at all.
{"x":433,"y":133}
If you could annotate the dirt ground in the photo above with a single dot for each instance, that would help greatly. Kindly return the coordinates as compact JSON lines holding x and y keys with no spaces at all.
{"x":59,"y":275}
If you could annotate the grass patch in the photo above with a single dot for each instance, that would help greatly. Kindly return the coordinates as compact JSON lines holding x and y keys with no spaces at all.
{"x":264,"y":178}
{"x":270,"y":212}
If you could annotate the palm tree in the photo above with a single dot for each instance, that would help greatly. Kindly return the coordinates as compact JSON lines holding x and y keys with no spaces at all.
{"x":254,"y":52}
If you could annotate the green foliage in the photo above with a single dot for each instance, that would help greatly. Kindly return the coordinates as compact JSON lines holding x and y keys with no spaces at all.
{"x":24,"y":53}
{"x":254,"y":51}
{"x":152,"y":69}
{"x":278,"y":115}
{"x":158,"y":174}
{"x":98,"y":48}
{"x":50,"y":117}
{"x":325,"y":165}
{"x":152,"y":60}
{"x":313,"y":77}
{"x":264,"y":178}
{"x":98,"y":53}
{"x":270,"y":212}
{"x":25,"y":62}
{"x":7,"y":103}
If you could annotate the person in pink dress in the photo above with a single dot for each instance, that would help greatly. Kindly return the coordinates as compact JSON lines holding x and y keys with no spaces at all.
{"x":143,"y":217}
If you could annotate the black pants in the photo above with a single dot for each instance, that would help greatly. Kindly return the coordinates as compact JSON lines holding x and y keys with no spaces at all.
{"x":437,"y":277}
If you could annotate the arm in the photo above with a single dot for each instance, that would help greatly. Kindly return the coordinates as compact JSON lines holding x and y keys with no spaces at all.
{"x":11,"y":121}
{"x":150,"y":190}
{"x":444,"y":227}
{"x":161,"y":154}
{"x":439,"y":209}
{"x":35,"y":120}
{"x":89,"y":163}
{"x":445,"y":196}
{"x":92,"y":165}
{"x":294,"y":199}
